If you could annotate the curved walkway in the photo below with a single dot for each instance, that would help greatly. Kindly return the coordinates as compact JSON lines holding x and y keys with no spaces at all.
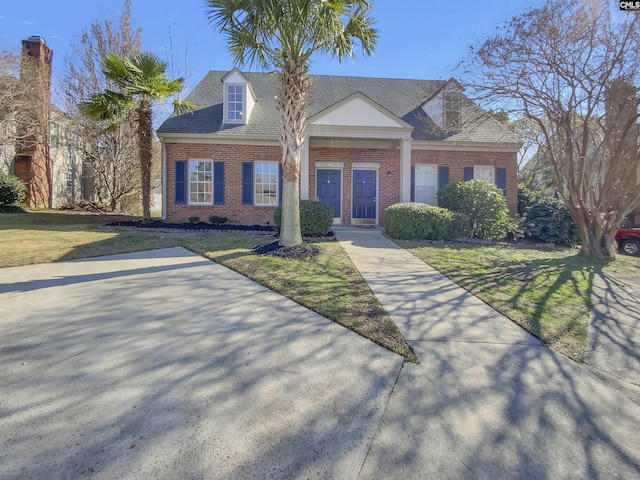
{"x":487,"y":400}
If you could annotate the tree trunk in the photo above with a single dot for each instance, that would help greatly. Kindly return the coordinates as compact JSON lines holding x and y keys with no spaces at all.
{"x":290,"y":229}
{"x":145,"y":153}
{"x":292,"y":104}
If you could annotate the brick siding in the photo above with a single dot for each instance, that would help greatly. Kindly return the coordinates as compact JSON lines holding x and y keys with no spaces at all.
{"x":388,"y":173}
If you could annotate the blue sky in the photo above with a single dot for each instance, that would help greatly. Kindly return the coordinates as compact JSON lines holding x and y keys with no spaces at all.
{"x":422,"y":39}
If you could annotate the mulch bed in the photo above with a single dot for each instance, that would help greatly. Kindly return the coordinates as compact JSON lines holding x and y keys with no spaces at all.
{"x":299,"y":252}
{"x":191,"y":226}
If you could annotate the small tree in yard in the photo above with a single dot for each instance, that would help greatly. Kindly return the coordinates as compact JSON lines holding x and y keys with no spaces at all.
{"x":285,"y":34}
{"x":572,"y":69}
{"x":483,"y":204}
{"x":141,"y":80}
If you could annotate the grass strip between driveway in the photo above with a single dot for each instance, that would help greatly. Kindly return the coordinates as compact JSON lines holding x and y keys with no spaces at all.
{"x":546,"y":292}
{"x":328,"y":284}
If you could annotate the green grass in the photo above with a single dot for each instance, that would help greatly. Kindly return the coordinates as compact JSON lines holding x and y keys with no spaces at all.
{"x":328,"y":284}
{"x":546,"y":292}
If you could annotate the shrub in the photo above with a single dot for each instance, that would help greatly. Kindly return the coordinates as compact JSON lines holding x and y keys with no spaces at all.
{"x":316,"y":218}
{"x":484,"y":205}
{"x":546,"y":219}
{"x":217,"y":220}
{"x":193,"y":220}
{"x":408,"y":221}
{"x":12,"y":190}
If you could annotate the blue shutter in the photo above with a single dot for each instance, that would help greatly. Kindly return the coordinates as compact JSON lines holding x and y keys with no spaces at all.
{"x":501,"y":179}
{"x":247,"y":183}
{"x":218,"y":182}
{"x":181,"y":184}
{"x":443,"y":177}
{"x":280,"y":184}
{"x":468,"y":173}
{"x":413,"y":184}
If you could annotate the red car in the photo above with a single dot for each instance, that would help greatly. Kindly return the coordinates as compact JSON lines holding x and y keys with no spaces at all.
{"x":628,"y":238}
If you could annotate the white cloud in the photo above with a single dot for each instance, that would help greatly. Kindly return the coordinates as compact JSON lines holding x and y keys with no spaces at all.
{"x":26,"y":22}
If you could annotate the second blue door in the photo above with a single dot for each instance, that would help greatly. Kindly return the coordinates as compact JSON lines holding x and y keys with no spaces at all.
{"x":328,"y":189}
{"x":364,"y":194}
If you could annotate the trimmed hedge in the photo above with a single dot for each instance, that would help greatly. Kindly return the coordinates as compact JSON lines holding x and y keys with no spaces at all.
{"x":412,"y":221}
{"x":484,"y":205}
{"x":316,"y":218}
{"x":12,"y":190}
{"x":546,"y":219}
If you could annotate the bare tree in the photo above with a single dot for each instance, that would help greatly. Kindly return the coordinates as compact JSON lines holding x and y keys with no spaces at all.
{"x":571,"y":68}
{"x":109,"y":152}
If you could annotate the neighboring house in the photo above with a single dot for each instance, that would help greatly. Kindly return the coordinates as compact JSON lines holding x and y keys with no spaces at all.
{"x":39,"y":147}
{"x":371,"y":142}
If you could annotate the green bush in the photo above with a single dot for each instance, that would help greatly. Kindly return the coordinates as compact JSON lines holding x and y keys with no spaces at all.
{"x":484,"y":205}
{"x":193,"y":220}
{"x":316,"y":218}
{"x":408,"y":221}
{"x":546,"y":219}
{"x":12,"y":190}
{"x":217,"y":220}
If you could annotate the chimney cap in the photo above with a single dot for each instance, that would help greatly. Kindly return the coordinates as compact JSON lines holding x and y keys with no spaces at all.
{"x":37,"y":38}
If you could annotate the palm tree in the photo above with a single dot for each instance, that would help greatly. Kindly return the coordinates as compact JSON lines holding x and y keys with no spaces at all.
{"x":140,"y":80}
{"x":284,"y":35}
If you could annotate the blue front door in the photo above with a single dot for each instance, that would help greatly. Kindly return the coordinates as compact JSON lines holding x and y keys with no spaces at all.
{"x":328,"y":189}
{"x":364,"y":194}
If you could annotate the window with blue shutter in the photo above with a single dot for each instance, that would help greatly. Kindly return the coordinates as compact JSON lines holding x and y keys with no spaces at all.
{"x":501,"y":179}
{"x":247,"y":183}
{"x":181,"y":185}
{"x":218,"y":182}
{"x":280,"y":184}
{"x":468,"y":173}
{"x":443,"y":177}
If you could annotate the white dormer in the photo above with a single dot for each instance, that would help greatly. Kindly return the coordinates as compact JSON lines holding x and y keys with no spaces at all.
{"x":445,"y":107}
{"x":239,"y":98}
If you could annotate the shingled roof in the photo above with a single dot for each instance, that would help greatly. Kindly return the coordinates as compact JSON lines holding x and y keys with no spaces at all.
{"x":402,"y":97}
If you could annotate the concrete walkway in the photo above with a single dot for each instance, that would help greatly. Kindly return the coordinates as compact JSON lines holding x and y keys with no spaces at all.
{"x":487,"y":400}
{"x":614,"y":331}
{"x":165,"y":365}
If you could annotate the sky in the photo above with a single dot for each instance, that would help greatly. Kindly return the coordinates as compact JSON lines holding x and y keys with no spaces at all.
{"x":420,"y":39}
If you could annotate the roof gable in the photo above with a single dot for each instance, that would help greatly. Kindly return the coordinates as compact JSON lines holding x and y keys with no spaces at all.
{"x":357,"y":110}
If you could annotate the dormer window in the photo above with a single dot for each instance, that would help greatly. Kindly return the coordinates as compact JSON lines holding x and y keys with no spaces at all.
{"x":452,"y":110}
{"x":235,"y":102}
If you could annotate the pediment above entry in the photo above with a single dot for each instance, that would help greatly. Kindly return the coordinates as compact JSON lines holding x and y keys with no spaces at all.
{"x":360,"y":112}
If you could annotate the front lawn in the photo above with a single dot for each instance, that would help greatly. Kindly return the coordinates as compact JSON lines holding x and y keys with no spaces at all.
{"x":546,"y":292}
{"x":328,"y":284}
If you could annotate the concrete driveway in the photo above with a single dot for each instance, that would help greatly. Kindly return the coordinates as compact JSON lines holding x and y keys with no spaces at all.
{"x":165,"y":365}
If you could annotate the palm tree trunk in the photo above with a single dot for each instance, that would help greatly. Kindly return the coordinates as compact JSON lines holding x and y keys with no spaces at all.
{"x":145,"y":153}
{"x":292,"y":103}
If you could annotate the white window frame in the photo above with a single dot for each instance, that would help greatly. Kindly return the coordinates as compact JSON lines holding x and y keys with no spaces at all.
{"x":487,"y":168}
{"x":421,"y":198}
{"x":196,"y":161}
{"x":272,"y":165}
{"x":227,"y":103}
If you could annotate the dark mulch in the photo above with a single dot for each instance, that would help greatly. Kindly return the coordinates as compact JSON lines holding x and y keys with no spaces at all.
{"x":12,"y":209}
{"x":191,"y":226}
{"x":299,"y":252}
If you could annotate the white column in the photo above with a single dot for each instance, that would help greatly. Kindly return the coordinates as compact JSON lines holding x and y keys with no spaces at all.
{"x":405,"y":170}
{"x":304,"y":171}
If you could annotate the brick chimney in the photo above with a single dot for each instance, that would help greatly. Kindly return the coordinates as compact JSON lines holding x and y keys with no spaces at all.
{"x":33,"y":161}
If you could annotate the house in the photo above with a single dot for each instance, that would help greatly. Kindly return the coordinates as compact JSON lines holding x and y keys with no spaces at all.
{"x":371,"y":142}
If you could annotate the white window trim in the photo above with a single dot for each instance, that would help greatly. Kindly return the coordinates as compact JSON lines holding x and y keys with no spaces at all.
{"x":243,"y":120}
{"x":189,"y":202}
{"x":493,"y":172}
{"x":255,"y":173}
{"x":415,"y":182}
